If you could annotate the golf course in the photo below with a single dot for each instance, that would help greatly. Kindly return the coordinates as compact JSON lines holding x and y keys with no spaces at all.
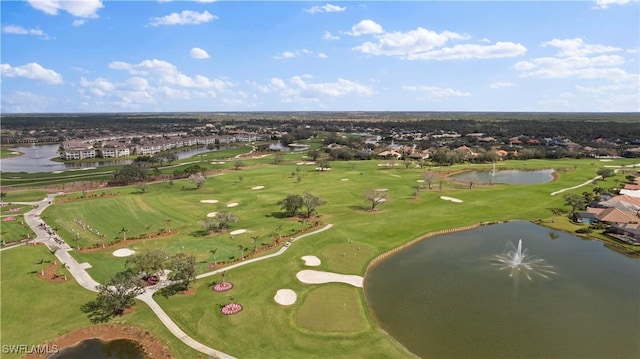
{"x":326,"y":320}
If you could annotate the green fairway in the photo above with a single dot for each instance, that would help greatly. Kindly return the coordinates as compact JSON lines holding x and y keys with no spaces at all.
{"x":329,"y":320}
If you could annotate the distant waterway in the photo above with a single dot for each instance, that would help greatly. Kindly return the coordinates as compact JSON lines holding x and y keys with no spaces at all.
{"x":507,"y":176}
{"x":38,"y":158}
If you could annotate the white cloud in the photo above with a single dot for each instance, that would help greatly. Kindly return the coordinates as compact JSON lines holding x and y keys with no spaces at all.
{"x":436,"y":92}
{"x":472,"y":51}
{"x":325,"y":8}
{"x":186,"y":17}
{"x":32,"y":71}
{"x":577,"y":47}
{"x":19,"y":30}
{"x":500,"y":85}
{"x":83,"y":9}
{"x":78,"y":22}
{"x":365,"y":27}
{"x":603,"y":4}
{"x":198,"y":53}
{"x":407,"y":43}
{"x":603,"y":66}
{"x":292,"y":54}
{"x":322,"y":55}
{"x":327,"y":36}
{"x":166,"y":73}
{"x":424,"y":44}
{"x":23,"y":101}
{"x":341,"y":87}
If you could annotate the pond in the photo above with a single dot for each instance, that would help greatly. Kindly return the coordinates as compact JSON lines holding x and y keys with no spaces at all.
{"x":448,"y":297}
{"x":507,"y":176}
{"x":98,"y":349}
{"x":37,"y":158}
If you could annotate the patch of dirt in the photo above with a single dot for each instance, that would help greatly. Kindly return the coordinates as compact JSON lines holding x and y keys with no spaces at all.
{"x":51,"y":274}
{"x":153,"y":347}
{"x":189,"y":291}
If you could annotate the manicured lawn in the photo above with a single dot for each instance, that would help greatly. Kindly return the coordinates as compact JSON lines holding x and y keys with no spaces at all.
{"x":332,"y":308}
{"x":24,"y":196}
{"x":358,"y":235}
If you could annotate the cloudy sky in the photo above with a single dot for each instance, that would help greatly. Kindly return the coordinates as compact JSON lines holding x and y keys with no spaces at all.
{"x":116,"y":56}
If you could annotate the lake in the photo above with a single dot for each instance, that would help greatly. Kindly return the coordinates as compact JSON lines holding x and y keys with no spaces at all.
{"x":37,"y":158}
{"x":507,"y":176}
{"x":446,"y":297}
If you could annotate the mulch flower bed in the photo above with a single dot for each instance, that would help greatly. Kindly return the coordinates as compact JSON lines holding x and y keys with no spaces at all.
{"x":221,"y":287}
{"x":231,"y":308}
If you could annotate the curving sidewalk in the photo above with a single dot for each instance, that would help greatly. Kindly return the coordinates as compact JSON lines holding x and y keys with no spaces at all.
{"x":617,"y":168}
{"x":78,"y":272}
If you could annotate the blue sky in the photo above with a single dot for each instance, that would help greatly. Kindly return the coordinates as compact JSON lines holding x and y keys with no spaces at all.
{"x":147,"y":56}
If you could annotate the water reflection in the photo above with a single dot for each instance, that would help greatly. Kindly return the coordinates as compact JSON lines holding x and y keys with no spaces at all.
{"x":37,"y":158}
{"x":98,"y":349}
{"x":507,"y":176}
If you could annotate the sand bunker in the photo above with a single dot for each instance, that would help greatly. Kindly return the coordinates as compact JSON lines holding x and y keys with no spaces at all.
{"x":57,"y":172}
{"x":420,"y":181}
{"x":209,"y":201}
{"x":237,"y":231}
{"x":606,"y":160}
{"x":285,"y":297}
{"x":305,"y":163}
{"x":123,"y":252}
{"x":218,"y":163}
{"x":451,"y":199}
{"x":323,"y":169}
{"x":318,"y":277}
{"x":344,"y":179}
{"x":311,"y":261}
{"x":257,"y":187}
{"x":212,"y":214}
{"x":233,"y":204}
{"x":381,"y":189}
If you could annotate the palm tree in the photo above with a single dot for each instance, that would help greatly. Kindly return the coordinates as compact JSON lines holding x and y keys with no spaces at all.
{"x":241,"y":249}
{"x":214,"y":251}
{"x":124,"y":233}
{"x":222,"y":275}
{"x":254,"y":240}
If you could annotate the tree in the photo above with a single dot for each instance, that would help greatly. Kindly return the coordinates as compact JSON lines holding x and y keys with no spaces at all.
{"x":291,"y":204}
{"x":214,"y":252}
{"x":238,"y":163}
{"x":142,"y":186}
{"x":198,"y":179}
{"x":147,"y":263}
{"x":310,"y":203}
{"x":575,"y":201}
{"x":183,"y":270}
{"x":313,"y":154}
{"x":278,"y":158}
{"x":555,"y":212}
{"x":429,"y":177}
{"x":3,"y":195}
{"x":605,"y":172}
{"x":323,"y":165}
{"x":124,"y":231}
{"x":254,"y":241}
{"x":226,"y":219}
{"x":241,"y":249}
{"x":209,"y":224}
{"x":375,"y":197}
{"x":114,"y":297}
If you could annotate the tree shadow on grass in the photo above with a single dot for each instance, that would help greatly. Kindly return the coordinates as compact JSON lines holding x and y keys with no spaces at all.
{"x":277,"y":215}
{"x":199,"y":233}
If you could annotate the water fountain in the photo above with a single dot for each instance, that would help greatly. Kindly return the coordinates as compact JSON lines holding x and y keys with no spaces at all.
{"x":517,"y":260}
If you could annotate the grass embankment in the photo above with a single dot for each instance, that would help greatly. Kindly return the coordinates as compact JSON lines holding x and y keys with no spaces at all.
{"x":35,"y":310}
{"x":358,"y":235}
